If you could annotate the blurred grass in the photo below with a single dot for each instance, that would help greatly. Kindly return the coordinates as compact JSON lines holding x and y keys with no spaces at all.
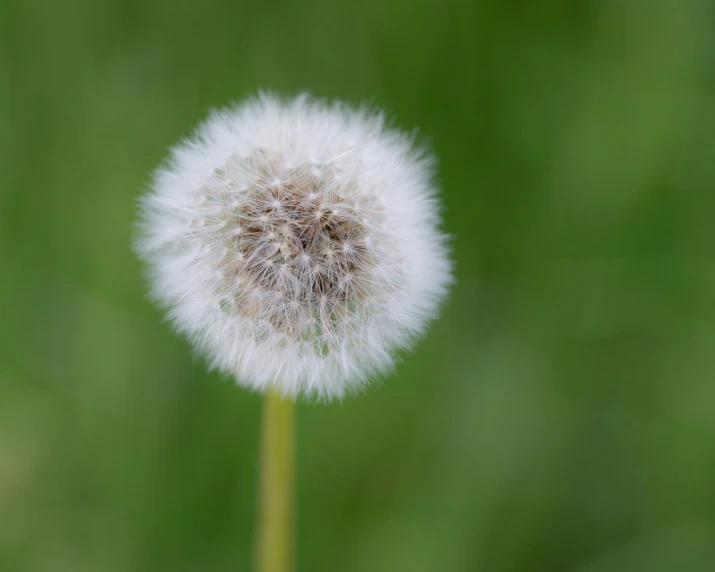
{"x":559,"y":416}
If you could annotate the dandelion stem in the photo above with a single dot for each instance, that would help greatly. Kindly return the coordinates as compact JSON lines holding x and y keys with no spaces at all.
{"x":275,"y":501}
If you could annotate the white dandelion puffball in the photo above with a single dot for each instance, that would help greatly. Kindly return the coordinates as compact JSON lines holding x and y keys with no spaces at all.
{"x":297,"y":244}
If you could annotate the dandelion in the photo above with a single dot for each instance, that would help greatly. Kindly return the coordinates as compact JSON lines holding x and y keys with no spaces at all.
{"x":297,"y":244}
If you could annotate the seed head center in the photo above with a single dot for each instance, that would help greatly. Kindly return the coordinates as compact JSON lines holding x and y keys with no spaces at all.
{"x":283,"y":243}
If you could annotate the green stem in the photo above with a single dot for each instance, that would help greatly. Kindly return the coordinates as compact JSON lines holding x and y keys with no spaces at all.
{"x":275,"y":501}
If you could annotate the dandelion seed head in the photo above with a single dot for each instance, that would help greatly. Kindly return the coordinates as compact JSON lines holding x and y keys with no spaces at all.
{"x":289,"y":291}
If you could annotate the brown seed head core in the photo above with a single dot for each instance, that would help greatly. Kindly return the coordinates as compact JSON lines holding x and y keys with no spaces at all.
{"x":293,"y":244}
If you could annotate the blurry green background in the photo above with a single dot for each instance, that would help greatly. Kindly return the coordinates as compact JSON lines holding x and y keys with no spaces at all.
{"x":559,"y":416}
